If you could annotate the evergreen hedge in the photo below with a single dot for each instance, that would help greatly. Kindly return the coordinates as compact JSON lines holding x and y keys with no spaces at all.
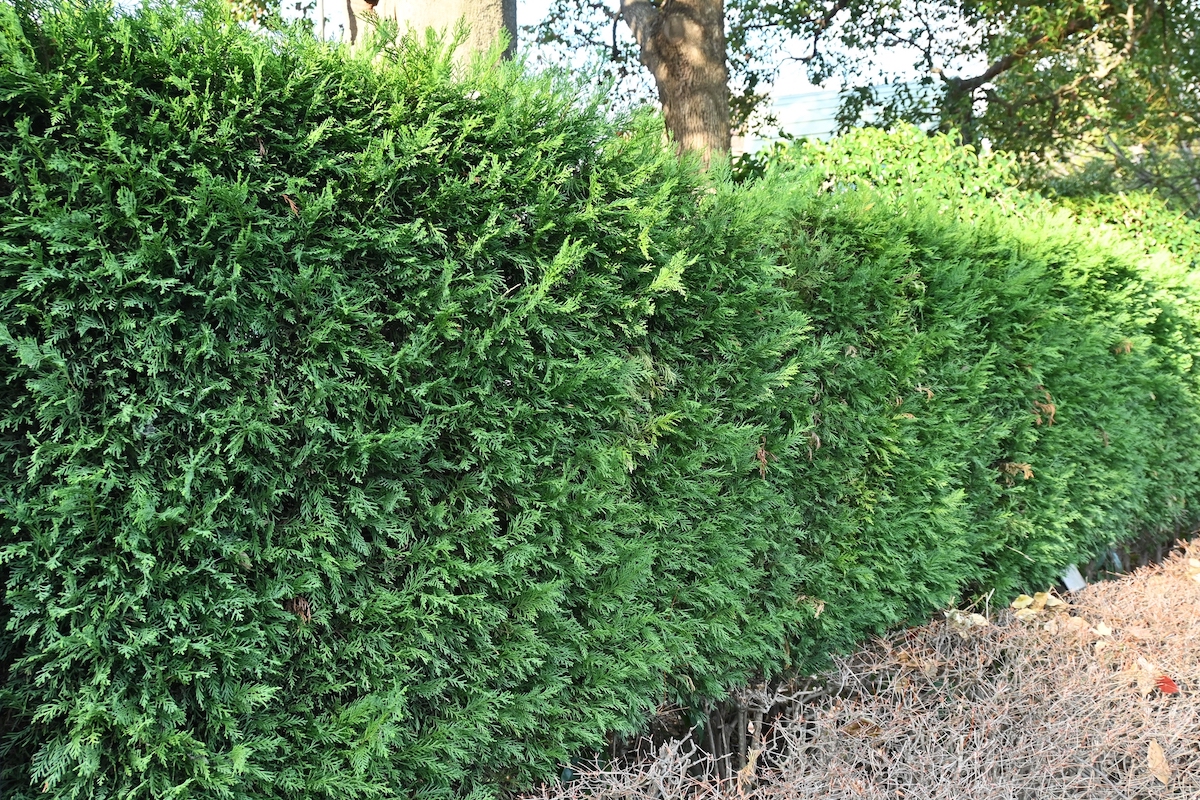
{"x":1000,"y":303}
{"x":370,"y":431}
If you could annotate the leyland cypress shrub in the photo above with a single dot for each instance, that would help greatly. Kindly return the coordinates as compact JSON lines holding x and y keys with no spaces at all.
{"x":1040,"y":363}
{"x":373,"y":430}
{"x":333,"y":411}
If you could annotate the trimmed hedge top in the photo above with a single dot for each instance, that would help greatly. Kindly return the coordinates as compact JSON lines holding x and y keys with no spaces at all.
{"x":380,"y":432}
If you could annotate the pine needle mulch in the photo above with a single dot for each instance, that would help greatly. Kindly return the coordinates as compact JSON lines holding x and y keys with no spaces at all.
{"x":1094,"y":694}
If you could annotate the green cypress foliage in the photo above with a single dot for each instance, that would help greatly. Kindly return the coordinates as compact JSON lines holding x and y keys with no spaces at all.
{"x":323,"y":382}
{"x":372,"y":431}
{"x":1040,"y":363}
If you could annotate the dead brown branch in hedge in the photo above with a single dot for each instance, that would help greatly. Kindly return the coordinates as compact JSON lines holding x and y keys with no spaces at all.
{"x":1071,"y":700}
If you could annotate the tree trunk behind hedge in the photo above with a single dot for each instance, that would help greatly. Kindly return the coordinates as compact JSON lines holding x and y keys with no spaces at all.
{"x":486,"y":18}
{"x":682,"y":43}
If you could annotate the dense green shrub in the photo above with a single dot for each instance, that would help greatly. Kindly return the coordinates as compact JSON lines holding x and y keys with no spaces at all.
{"x":928,"y":261}
{"x":938,"y":171}
{"x":1143,"y":216}
{"x":331,"y":412}
{"x":370,"y":431}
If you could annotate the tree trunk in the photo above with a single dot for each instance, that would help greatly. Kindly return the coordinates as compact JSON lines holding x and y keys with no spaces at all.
{"x":487,"y":18}
{"x":682,"y":43}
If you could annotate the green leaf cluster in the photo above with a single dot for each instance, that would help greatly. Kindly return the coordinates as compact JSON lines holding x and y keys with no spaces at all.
{"x":1044,"y":353}
{"x":368,"y":431}
{"x":376,"y":430}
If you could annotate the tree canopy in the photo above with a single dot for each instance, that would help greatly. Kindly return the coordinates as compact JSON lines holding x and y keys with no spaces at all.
{"x":1040,"y":79}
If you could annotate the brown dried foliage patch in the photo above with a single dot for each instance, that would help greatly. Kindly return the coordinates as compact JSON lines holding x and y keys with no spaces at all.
{"x":1067,"y":702}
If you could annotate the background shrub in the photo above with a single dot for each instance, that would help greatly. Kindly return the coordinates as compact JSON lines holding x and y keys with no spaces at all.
{"x":1045,"y":358}
{"x":376,"y":431}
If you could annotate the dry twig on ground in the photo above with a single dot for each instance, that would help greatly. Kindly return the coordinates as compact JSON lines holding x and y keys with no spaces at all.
{"x":1093,"y":698}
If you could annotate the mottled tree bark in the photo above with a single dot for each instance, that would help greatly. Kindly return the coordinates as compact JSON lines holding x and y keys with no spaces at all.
{"x":356,"y":13}
{"x":486,"y":18}
{"x":682,"y":43}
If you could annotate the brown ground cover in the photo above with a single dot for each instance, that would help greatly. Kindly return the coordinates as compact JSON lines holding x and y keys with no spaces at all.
{"x":1091,"y":695}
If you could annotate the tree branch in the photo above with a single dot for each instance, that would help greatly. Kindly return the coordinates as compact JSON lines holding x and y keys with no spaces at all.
{"x":822,"y":24}
{"x":642,"y":17}
{"x":1148,"y":178}
{"x":1072,"y":87}
{"x":1033,"y":43}
{"x":1186,"y":151}
{"x":1008,"y":61}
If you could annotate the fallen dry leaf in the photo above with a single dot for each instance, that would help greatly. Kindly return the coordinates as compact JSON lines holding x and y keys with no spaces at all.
{"x":1165,"y":685}
{"x":1146,"y":675}
{"x":1022,"y":601}
{"x":1159,"y":767}
{"x":746,"y":775}
{"x":1027,"y":607}
{"x":1102,"y":630}
{"x":862,"y":727}
{"x":815,"y":604}
{"x":1017,"y":468}
{"x":928,"y":667}
{"x":964,"y":623}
